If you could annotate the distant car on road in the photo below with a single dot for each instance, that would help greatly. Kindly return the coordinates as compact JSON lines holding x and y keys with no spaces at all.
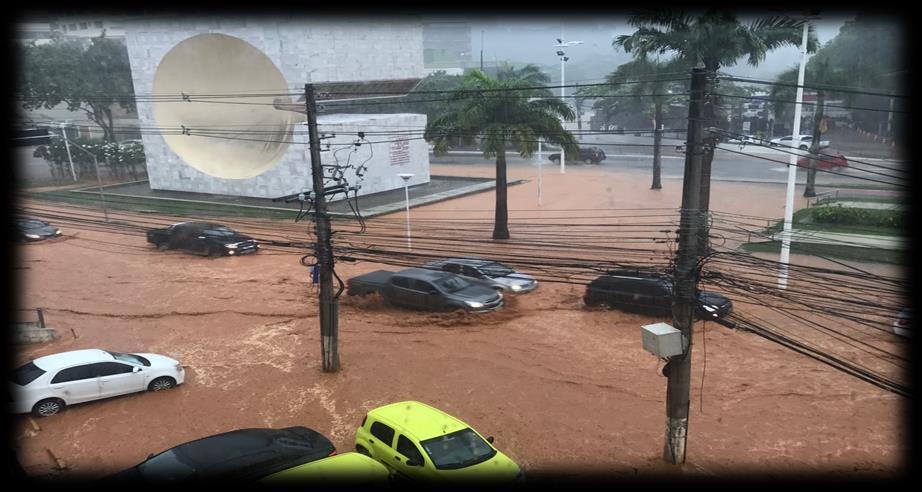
{"x":806,"y":141}
{"x":588,"y":155}
{"x":491,"y":273}
{"x":745,"y":139}
{"x":202,"y":238}
{"x":245,"y":455}
{"x":29,"y":229}
{"x":46,"y":385}
{"x":421,"y":288}
{"x":648,"y":293}
{"x":902,"y":325}
{"x":824,"y":161}
{"x":422,"y":443}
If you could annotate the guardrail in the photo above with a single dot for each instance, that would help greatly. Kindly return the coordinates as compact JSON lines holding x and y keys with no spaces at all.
{"x":811,"y":202}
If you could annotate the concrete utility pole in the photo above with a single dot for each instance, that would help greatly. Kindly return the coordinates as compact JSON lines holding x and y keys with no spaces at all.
{"x":691,"y":234}
{"x":792,"y":167}
{"x":329,"y":307}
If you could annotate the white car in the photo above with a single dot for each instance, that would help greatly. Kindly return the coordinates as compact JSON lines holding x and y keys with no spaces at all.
{"x":805,"y":142}
{"x":46,"y":385}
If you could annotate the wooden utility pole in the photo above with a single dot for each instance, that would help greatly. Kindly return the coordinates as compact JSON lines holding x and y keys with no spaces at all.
{"x":329,"y":307}
{"x":691,"y":229}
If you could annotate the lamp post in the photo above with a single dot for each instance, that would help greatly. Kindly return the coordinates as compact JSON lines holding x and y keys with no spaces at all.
{"x":406,"y":178}
{"x":792,"y":168}
{"x":563,"y":83}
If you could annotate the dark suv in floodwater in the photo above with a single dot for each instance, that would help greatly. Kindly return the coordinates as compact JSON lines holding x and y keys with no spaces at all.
{"x":648,"y":293}
{"x":588,"y":155}
{"x":203,"y":238}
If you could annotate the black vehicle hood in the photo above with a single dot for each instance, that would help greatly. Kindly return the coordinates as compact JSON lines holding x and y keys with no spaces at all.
{"x":236,"y":238}
{"x":476,"y":293}
{"x":243,"y":454}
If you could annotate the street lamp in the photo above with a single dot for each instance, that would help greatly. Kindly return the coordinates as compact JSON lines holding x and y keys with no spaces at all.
{"x":792,"y":168}
{"x":563,"y":83}
{"x":406,"y":178}
{"x":105,"y":207}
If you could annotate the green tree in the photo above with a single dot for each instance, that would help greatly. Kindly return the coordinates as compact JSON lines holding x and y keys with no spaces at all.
{"x":89,"y":77}
{"x":650,"y":85}
{"x":501,"y":110}
{"x":713,"y":39}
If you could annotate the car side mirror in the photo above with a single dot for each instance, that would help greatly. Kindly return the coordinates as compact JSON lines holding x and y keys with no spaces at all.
{"x":490,"y":439}
{"x":136,"y":369}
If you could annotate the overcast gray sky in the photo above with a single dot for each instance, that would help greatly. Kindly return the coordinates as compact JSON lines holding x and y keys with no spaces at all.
{"x":532,"y":40}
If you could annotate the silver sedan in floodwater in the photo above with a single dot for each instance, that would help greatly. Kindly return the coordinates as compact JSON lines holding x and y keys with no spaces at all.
{"x":491,"y":273}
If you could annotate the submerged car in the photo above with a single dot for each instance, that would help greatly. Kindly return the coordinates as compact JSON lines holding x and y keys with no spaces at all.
{"x":421,"y":288}
{"x":245,"y":455}
{"x":824,"y":161}
{"x":491,"y":273}
{"x":420,"y":442}
{"x":46,"y":385}
{"x":29,"y":229}
{"x":648,"y":293}
{"x":588,"y":155}
{"x":202,"y":238}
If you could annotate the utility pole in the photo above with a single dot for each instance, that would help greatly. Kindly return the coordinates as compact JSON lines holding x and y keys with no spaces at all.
{"x":481,"y":50}
{"x":329,"y":307}
{"x":691,"y":233}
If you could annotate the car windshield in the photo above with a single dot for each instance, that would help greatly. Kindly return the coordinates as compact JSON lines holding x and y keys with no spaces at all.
{"x":451,"y":283}
{"x":220,"y":232}
{"x":458,"y":450}
{"x":165,"y":466}
{"x":31,"y":223}
{"x":130,"y":358}
{"x":25,"y":374}
{"x":496,"y":269}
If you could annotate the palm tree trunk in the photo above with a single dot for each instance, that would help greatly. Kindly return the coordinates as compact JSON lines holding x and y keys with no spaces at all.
{"x":810,"y":190}
{"x":501,"y":220}
{"x":657,"y":139}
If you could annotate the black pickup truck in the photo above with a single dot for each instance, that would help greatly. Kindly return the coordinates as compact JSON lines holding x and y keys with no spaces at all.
{"x":203,"y":238}
{"x":420,"y":288}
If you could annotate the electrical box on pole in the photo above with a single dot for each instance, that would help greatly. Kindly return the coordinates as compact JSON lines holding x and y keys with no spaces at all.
{"x":691,"y":238}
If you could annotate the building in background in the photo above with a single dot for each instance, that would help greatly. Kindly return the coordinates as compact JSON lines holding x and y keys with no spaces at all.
{"x":447,"y":46}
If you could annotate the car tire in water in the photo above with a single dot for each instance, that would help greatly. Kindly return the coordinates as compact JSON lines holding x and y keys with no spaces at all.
{"x":213,"y":252}
{"x":48,"y":407}
{"x":163,"y":246}
{"x":161,"y":383}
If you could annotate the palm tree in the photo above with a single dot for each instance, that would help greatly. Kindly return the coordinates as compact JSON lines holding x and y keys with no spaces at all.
{"x":714,"y":39}
{"x":652,"y":84}
{"x":501,"y":110}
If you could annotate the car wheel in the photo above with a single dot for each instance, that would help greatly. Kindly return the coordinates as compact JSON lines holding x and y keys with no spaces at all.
{"x":362,"y":450}
{"x":161,"y":383}
{"x":804,"y":147}
{"x":213,"y":252}
{"x":555,"y":161}
{"x":163,"y":246}
{"x":588,"y":161}
{"x":48,"y":407}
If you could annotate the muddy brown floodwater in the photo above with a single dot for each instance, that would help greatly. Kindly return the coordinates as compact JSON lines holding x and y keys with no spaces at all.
{"x":561,"y":387}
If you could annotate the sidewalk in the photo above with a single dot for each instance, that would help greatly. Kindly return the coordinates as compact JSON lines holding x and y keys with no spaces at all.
{"x":437,"y":189}
{"x":844,"y":239}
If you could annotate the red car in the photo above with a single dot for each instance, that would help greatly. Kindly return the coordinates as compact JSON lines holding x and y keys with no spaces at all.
{"x":824,"y":161}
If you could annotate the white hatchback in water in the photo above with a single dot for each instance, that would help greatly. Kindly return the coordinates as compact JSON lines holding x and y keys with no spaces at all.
{"x":46,"y":385}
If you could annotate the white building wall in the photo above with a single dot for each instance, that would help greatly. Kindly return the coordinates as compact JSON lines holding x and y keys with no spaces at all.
{"x":304,"y":50}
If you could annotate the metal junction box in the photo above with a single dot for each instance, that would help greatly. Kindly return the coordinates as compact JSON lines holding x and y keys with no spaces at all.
{"x":661,"y":340}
